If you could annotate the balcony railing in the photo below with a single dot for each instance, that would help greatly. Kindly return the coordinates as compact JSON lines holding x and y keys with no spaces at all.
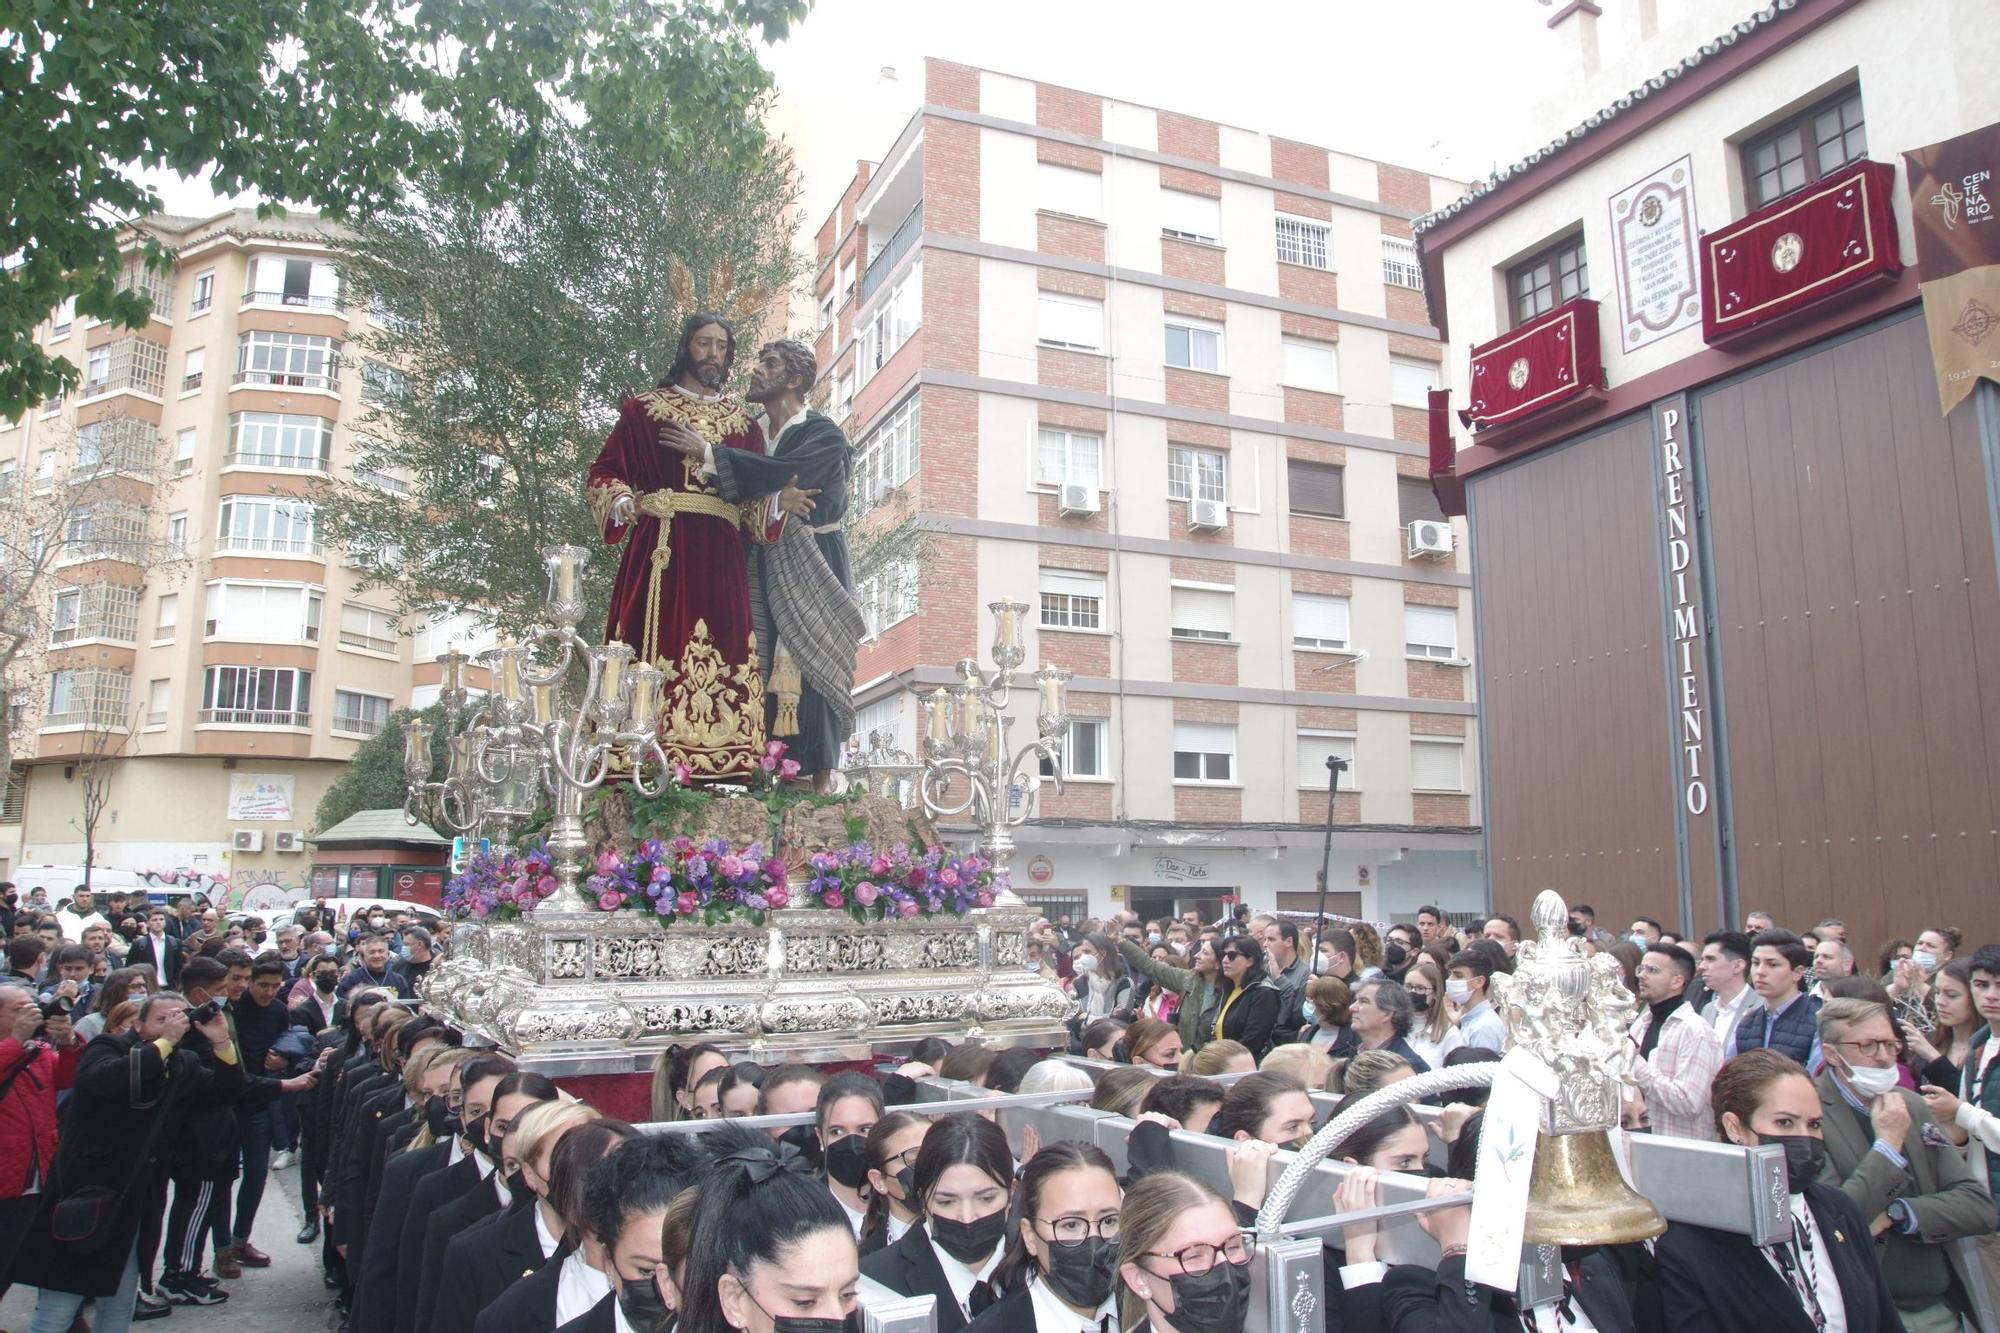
{"x":299,"y":299}
{"x":352,"y":638}
{"x":276,"y":379}
{"x":285,"y":462}
{"x":254,"y":717}
{"x":356,"y":726}
{"x":233,"y":544}
{"x":884,"y":263}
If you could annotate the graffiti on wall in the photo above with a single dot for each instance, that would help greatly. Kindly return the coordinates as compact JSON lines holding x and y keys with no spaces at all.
{"x":244,"y":891}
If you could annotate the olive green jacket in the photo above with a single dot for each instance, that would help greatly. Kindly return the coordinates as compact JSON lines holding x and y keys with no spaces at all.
{"x":1199,"y":997}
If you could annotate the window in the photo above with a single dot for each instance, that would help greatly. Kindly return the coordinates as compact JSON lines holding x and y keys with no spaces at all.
{"x":442,"y":630}
{"x":1437,"y":765}
{"x":1817,"y":142}
{"x":183,"y":451}
{"x":158,"y":696}
{"x":368,"y":629}
{"x":1411,"y":381}
{"x":359,"y":714}
{"x":1204,"y":752}
{"x":884,"y":715}
{"x":1315,"y":748}
{"x":168,"y":617}
{"x":1400,"y":267}
{"x":826,"y":312}
{"x":262,"y":613}
{"x":1191,"y":217}
{"x":279,"y":280}
{"x":1066,"y":457}
{"x":7,"y":470}
{"x":107,"y":531}
{"x":270,"y":526}
{"x":288,"y":360}
{"x":889,"y":596}
{"x":1083,"y":751}
{"x":1302,"y":241}
{"x":63,"y":619}
{"x":45,"y":469}
{"x":197,"y":358}
{"x":204,"y":292}
{"x":1316,"y":488}
{"x":1197,"y":474}
{"x":389,"y":480}
{"x":1416,"y":502}
{"x":1066,"y":190}
{"x":843,"y":395}
{"x":888,"y":454}
{"x":88,"y":697}
{"x":381,"y":386}
{"x":1319,"y":622}
{"x":97,"y":369}
{"x":1194,"y":346}
{"x":122,"y":444}
{"x":845,"y":286}
{"x":1203,"y":613}
{"x":177,"y":533}
{"x":95,"y":612}
{"x":256,"y":696}
{"x":1542,"y":282}
{"x":64,"y":318}
{"x":14,"y":802}
{"x":134,"y":364}
{"x":1430,"y":632}
{"x":1311,"y":365}
{"x":279,"y":440}
{"x":1070,"y":321}
{"x":898,"y":314}
{"x":1072,"y":600}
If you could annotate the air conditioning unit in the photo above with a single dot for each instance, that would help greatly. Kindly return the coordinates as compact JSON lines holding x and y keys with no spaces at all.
{"x":1207,"y":514}
{"x":247,"y":840}
{"x":1076,"y":498}
{"x":1429,"y":537}
{"x":287,"y":840}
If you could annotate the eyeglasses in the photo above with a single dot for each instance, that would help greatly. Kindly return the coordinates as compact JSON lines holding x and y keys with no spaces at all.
{"x":1886,"y":1046}
{"x":1198,"y":1259}
{"x":907,"y":1157}
{"x":454,"y":1101}
{"x":1068,"y":1231}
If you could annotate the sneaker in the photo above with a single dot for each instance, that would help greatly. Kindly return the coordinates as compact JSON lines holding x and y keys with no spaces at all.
{"x":284,"y":1159}
{"x":191,"y":1291}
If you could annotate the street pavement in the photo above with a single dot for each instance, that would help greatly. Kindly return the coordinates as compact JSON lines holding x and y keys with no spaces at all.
{"x":288,"y":1295}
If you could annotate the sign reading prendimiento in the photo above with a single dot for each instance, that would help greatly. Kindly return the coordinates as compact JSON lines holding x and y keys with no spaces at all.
{"x":1653,"y":239}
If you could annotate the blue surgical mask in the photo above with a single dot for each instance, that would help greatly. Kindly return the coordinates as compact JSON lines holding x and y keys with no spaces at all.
{"x":1638,"y":939}
{"x":1307,"y":1009}
{"x":1925,"y":960}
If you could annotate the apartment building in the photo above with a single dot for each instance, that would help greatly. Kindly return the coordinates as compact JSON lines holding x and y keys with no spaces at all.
{"x":1165,"y":381}
{"x":199,"y":629}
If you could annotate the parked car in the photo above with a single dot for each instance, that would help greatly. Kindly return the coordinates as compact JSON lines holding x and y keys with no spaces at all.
{"x":345,"y":908}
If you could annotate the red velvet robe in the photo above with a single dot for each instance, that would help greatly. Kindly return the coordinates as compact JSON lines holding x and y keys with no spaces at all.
{"x":687,"y":612}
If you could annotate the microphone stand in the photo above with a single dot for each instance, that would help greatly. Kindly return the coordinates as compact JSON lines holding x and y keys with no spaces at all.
{"x":1335,"y":766}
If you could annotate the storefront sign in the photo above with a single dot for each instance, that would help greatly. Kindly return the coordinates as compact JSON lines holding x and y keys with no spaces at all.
{"x":1173,"y":868}
{"x":1652,"y":234}
{"x":1041,"y":870}
{"x":1955,"y":206}
{"x":1687,"y":622}
{"x":261,"y":796}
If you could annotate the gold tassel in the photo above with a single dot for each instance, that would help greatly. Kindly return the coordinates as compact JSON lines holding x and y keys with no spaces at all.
{"x":786,"y":684}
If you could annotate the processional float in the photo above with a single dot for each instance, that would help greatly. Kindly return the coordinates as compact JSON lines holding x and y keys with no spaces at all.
{"x":763,"y":962}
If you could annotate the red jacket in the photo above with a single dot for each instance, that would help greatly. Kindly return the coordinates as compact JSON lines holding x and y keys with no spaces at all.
{"x":28,"y":1110}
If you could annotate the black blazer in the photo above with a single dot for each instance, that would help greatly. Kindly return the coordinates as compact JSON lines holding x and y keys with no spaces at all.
{"x":432,"y":1193}
{"x":141,"y":955}
{"x":529,"y":1306}
{"x":910,"y":1267}
{"x":446,"y":1224}
{"x":1012,"y":1313}
{"x":1253,"y":1018}
{"x":600,"y":1318}
{"x":1416,"y":1299}
{"x":484,"y":1261}
{"x":375,"y":1267}
{"x":1718,"y":1282}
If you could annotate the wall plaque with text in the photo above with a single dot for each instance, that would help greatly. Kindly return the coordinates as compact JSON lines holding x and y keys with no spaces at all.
{"x":1653,"y":243}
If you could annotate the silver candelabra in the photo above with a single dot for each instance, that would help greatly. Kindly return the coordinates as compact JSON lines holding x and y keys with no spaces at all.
{"x":965,"y":738}
{"x":524,"y":740}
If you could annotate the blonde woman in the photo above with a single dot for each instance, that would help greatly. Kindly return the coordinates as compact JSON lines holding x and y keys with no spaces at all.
{"x":1432,"y":1034}
{"x":1221,"y":1057}
{"x":1367,"y":950}
{"x":1308,"y":1064}
{"x":1372,"y":1071}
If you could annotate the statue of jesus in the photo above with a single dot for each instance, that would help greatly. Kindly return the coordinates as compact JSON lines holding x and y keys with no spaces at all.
{"x":681,"y":597}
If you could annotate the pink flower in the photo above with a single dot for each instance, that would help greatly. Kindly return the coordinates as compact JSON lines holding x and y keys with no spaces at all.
{"x":948,"y":877}
{"x":774,"y":749}
{"x":907,"y":907}
{"x":686,"y":903}
{"x":878,"y":866}
{"x":866,"y":893}
{"x":607,"y":863}
{"x":788,"y":769}
{"x":982,"y":899}
{"x":833,"y":898}
{"x":683,"y":775}
{"x":730,"y":866}
{"x":769,"y":763}
{"x":609,"y":901}
{"x":776,"y":871}
{"x":778,"y":897}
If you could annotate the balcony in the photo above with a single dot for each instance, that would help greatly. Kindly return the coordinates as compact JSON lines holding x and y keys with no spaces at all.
{"x":95,"y":613}
{"x":278,"y":379}
{"x":298,"y":300}
{"x":90,"y":697}
{"x":130,"y":365}
{"x":122,"y":445}
{"x":884,"y":262}
{"x":275,"y":460}
{"x":106,"y":532}
{"x":240,"y":544}
{"x":254,"y":717}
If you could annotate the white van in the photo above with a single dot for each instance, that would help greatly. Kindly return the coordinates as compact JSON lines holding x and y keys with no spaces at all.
{"x":61,"y":882}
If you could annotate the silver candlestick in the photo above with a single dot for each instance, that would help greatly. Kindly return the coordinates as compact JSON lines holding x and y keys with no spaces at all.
{"x":965,"y":730}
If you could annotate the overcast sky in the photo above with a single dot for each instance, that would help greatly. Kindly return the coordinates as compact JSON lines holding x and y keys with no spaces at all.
{"x":1442,"y":85}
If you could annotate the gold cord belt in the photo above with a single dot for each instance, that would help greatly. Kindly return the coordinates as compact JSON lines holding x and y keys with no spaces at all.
{"x":663,"y":505}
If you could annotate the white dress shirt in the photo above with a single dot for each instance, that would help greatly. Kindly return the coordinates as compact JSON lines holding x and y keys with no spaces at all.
{"x":1825,"y":1282}
{"x":897,"y":1226}
{"x":1054,"y":1315}
{"x":854,"y":1219}
{"x":580,"y":1287}
{"x":1722,"y":1017}
{"x":960,"y":1278}
{"x":548,"y":1240}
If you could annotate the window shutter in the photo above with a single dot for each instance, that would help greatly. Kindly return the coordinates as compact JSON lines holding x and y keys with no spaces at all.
{"x":1313,"y":754}
{"x":1416,"y":500}
{"x":1433,"y":628}
{"x":1311,"y":365}
{"x":1316,"y":488}
{"x":1437,"y":766}
{"x":1194,"y":216}
{"x":1320,"y":619}
{"x":1203,"y":612}
{"x":1411,"y":381}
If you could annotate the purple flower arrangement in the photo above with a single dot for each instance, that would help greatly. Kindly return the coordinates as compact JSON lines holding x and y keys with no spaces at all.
{"x":711,"y":883}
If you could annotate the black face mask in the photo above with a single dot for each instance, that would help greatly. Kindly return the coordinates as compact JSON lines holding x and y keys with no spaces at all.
{"x":325,"y":982}
{"x":521,"y":1192}
{"x":475,"y":1134}
{"x":1083,"y":1274}
{"x":906,"y":1181}
{"x":806,"y":1140}
{"x":794,"y":1323}
{"x":847,"y":1161}
{"x":643,"y":1306}
{"x":1212,"y":1302}
{"x":1804,"y":1155}
{"x":441,"y":1119}
{"x":969,"y":1242}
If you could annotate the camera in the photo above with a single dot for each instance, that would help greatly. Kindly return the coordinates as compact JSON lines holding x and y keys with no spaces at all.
{"x":60,"y":1006}
{"x":1575,"y":926}
{"x":201,"y":1013}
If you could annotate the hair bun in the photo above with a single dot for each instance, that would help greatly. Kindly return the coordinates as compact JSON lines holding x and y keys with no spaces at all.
{"x":761,"y":1164}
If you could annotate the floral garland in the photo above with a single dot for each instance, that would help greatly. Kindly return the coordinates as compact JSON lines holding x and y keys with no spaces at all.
{"x":710,"y":883}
